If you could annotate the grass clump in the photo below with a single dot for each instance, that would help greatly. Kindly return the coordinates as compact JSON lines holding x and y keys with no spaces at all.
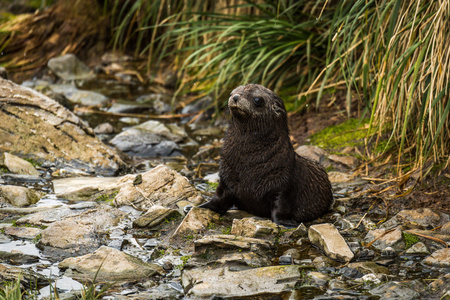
{"x":11,"y":290}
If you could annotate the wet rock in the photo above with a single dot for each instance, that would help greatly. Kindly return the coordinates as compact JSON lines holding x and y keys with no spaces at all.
{"x":17,"y":165}
{"x":368,"y":267}
{"x":69,"y":237}
{"x":69,"y":67}
{"x":232,"y":242}
{"x":46,"y":217}
{"x":160,"y":185}
{"x":159,"y":102}
{"x":19,"y":196}
{"x":28,"y":233}
{"x":317,"y":278}
{"x":395,"y":290}
{"x":155,"y":215}
{"x":285,"y":260}
{"x":350,"y":272}
{"x":312,"y":152}
{"x":253,"y":227}
{"x":47,"y":132}
{"x":253,"y":282}
{"x":294,"y":253}
{"x":196,"y":220}
{"x":385,"y":239}
{"x":86,"y":188}
{"x":439,"y":258}
{"x":418,"y":248}
{"x":150,"y":139}
{"x":28,"y":278}
{"x":163,"y":291}
{"x":27,"y":210}
{"x":388,"y":252}
{"x":4,"y":239}
{"x":327,"y":238}
{"x":17,"y":258}
{"x":118,"y":108}
{"x":246,"y":258}
{"x":422,"y":218}
{"x":104,"y":128}
{"x":87,"y":98}
{"x":111,"y":265}
{"x":336,"y":177}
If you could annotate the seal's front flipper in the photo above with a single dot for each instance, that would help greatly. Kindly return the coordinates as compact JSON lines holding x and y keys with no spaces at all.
{"x":222,"y":201}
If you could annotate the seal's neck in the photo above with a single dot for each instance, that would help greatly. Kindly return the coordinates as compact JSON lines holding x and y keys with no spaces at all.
{"x":260,"y":128}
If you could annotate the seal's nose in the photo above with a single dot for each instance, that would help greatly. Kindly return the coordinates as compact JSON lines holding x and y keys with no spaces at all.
{"x":236,"y":98}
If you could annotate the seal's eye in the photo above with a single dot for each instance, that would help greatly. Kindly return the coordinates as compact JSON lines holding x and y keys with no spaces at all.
{"x":258,"y":101}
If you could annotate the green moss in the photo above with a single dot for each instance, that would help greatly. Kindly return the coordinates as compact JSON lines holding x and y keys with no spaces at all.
{"x":410,"y":239}
{"x":350,"y":133}
{"x":107,"y":198}
{"x":33,"y":162}
{"x":227,"y":230}
{"x":4,"y":170}
{"x":37,"y":238}
{"x":211,"y":225}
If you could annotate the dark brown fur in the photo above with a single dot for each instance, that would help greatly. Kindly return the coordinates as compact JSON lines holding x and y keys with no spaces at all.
{"x":259,"y":169}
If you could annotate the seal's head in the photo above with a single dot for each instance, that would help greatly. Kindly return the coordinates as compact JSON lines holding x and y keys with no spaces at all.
{"x":253,"y":102}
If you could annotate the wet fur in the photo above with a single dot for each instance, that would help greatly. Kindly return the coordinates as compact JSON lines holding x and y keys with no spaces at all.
{"x":259,"y":169}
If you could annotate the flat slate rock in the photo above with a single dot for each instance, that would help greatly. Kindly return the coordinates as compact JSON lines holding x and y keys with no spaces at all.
{"x":39,"y":128}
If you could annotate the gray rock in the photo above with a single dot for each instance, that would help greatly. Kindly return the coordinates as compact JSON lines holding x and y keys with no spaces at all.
{"x":47,"y":132}
{"x":111,"y":264}
{"x":28,"y":278}
{"x":392,"y":239}
{"x":160,"y":185}
{"x":395,"y":290}
{"x":369,"y":267}
{"x":312,"y":152}
{"x":422,"y":218}
{"x":4,"y":239}
{"x":418,"y":248}
{"x":232,"y":242}
{"x":327,"y":238}
{"x":196,"y":220}
{"x":17,"y":258}
{"x":3,"y":73}
{"x":348,"y":161}
{"x":85,"y":188}
{"x":155,"y":215}
{"x":17,"y":165}
{"x":87,"y":98}
{"x":150,"y":139}
{"x":28,"y":233}
{"x":69,"y":67}
{"x":221,"y":282}
{"x":252,"y":227}
{"x":128,"y":108}
{"x":439,"y":258}
{"x":104,"y":128}
{"x":317,"y":278}
{"x":69,"y":237}
{"x":19,"y":196}
{"x":339,"y":177}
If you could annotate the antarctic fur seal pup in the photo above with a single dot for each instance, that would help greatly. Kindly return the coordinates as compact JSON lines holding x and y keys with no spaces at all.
{"x":259,"y":170}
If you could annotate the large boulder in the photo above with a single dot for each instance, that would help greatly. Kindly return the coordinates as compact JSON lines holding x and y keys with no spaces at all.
{"x":37,"y":127}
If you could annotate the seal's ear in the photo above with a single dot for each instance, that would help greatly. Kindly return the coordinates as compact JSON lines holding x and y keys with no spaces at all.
{"x":278,"y":106}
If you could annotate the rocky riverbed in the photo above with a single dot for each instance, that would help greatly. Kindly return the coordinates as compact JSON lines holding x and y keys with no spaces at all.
{"x":115,"y":206}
